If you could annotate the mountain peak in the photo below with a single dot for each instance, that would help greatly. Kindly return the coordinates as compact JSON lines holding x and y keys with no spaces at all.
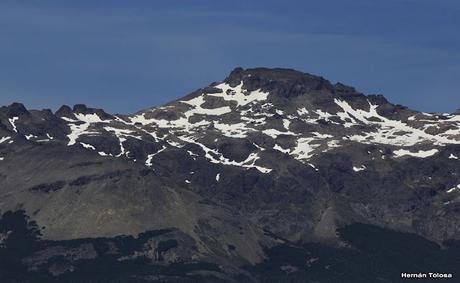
{"x":64,"y":111}
{"x":288,"y":83}
{"x":265,"y":157}
{"x":83,"y":109}
{"x":14,"y":110}
{"x":269,"y":73}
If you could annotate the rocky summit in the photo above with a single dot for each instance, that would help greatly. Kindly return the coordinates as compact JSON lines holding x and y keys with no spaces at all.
{"x":272,"y":175}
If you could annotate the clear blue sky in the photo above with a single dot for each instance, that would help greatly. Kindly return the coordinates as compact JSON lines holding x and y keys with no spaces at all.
{"x":129,"y":55}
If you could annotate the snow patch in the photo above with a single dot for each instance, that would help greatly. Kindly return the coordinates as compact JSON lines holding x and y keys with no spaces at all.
{"x":420,"y":153}
{"x":82,"y":128}
{"x":148,"y":161}
{"x":286,"y":124}
{"x":392,"y":132}
{"x":216,"y":157}
{"x":198,"y":101}
{"x":13,"y":123}
{"x":313,"y":166}
{"x":357,"y":169}
{"x":302,"y":111}
{"x":275,"y":133}
{"x":87,"y":146}
{"x":304,"y":148}
{"x":279,"y":148}
{"x":453,"y":189}
{"x":239,"y":95}
{"x":29,"y":137}
{"x":237,"y":130}
{"x":4,"y":139}
{"x":325,"y":115}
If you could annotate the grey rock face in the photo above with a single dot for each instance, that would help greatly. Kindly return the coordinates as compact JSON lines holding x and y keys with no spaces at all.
{"x":266,"y":156}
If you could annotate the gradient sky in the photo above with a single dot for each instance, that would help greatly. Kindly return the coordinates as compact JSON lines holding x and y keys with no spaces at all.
{"x":131,"y":55}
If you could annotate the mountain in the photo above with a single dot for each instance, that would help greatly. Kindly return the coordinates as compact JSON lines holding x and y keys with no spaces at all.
{"x":272,"y":175}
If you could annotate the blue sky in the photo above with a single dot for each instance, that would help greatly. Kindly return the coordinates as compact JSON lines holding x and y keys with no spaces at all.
{"x":129,"y":55}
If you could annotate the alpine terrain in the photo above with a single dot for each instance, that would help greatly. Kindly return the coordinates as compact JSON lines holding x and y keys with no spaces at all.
{"x":271,"y":175}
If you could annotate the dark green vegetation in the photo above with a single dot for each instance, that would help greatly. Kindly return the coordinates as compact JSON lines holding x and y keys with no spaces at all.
{"x":373,"y":254}
{"x":26,"y":258}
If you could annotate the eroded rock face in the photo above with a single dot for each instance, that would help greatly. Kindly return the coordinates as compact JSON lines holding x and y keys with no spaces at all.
{"x":264,"y":157}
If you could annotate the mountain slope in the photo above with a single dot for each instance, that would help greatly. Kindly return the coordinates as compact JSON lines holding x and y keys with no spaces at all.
{"x":263,"y":158}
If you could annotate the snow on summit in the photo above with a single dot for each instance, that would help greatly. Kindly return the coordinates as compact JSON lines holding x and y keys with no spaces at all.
{"x":239,"y":95}
{"x":261,"y":112}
